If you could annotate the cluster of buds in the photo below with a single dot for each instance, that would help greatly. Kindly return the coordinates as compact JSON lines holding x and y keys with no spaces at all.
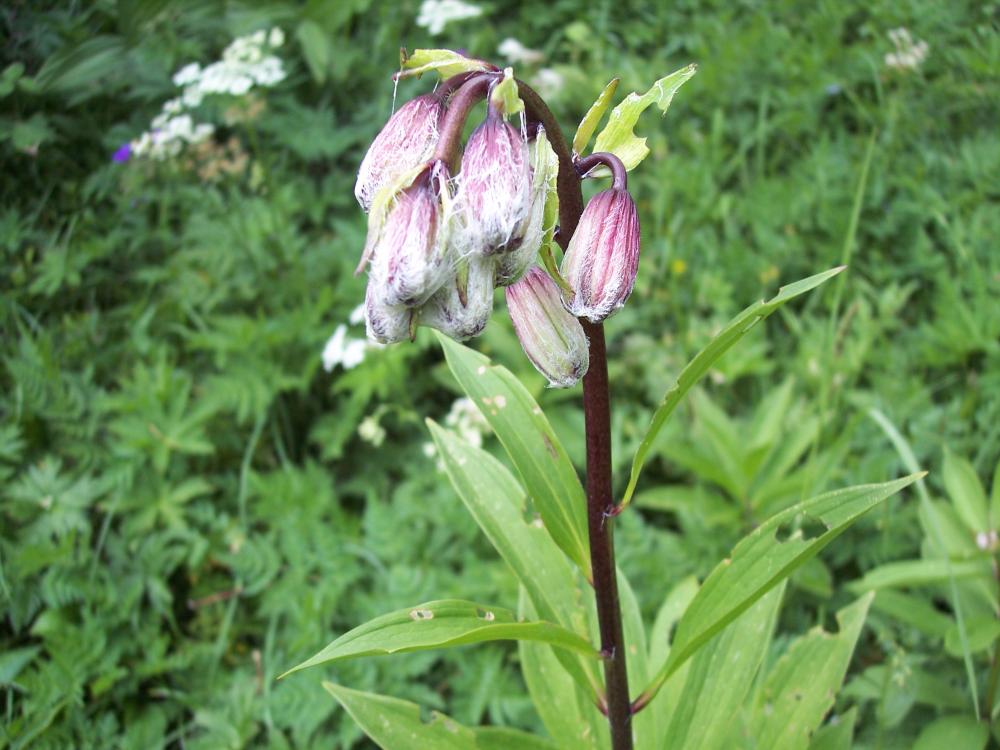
{"x":447,"y":226}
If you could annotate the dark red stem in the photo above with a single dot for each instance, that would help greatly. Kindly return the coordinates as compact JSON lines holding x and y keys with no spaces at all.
{"x":461,"y":103}
{"x":618,"y":172}
{"x":597,"y":414}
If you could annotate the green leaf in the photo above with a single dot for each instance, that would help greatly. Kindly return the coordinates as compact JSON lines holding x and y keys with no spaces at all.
{"x":837,"y":734}
{"x":670,"y":612}
{"x":567,"y":711}
{"x":646,"y":729}
{"x":618,"y":137}
{"x":735,"y":330}
{"x":966,"y":492}
{"x":982,"y":633}
{"x":921,"y":573}
{"x":80,"y":67}
{"x":590,"y":120}
{"x":760,"y":562}
{"x":497,"y":503}
{"x":395,"y":724}
{"x":719,"y":678}
{"x":445,"y":62}
{"x":953,"y":732}
{"x":538,"y":457}
{"x":916,"y":611}
{"x":441,"y":624}
{"x":315,"y":49}
{"x":801,"y":687}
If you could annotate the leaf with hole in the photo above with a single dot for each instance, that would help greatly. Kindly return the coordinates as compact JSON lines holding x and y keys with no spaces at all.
{"x":761,"y":561}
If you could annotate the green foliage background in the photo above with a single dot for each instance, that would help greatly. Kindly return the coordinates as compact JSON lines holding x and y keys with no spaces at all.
{"x":187,"y":507}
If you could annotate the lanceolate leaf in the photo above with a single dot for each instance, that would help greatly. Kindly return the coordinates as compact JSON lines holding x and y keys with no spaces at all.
{"x":719,"y":678}
{"x":761,"y":561}
{"x":441,"y":624}
{"x":397,"y":725}
{"x":498,"y":504}
{"x":922,"y":573}
{"x":542,"y":463}
{"x":618,"y":137}
{"x":800,"y":688}
{"x":737,"y":328}
{"x":590,"y":120}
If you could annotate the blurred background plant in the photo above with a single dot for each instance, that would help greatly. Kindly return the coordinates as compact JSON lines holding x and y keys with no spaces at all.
{"x":195,"y":495}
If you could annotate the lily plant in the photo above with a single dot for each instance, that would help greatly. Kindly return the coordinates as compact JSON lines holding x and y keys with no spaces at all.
{"x":448,"y":223}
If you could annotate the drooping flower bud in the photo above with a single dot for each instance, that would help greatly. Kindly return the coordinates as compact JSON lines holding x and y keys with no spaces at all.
{"x":552,"y":338}
{"x":406,"y":140}
{"x":409,"y":240}
{"x":603,"y":255}
{"x":461,"y":308}
{"x":494,"y":188}
{"x":386,"y":324}
{"x":538,"y":226}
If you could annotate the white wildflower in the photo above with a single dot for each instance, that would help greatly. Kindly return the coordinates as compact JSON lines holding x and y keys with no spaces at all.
{"x":909,"y":54}
{"x":357,"y":316}
{"x":371,"y":431}
{"x":548,"y":82}
{"x":436,"y":14}
{"x":344,"y":351}
{"x":517,"y":53}
{"x":465,"y":419}
{"x":247,"y":62}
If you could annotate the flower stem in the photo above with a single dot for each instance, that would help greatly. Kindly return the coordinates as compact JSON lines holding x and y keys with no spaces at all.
{"x":597,"y":414}
{"x":618,"y":172}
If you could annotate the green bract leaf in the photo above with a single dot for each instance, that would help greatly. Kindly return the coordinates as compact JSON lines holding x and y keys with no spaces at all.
{"x":589,"y":122}
{"x":445,"y":62}
{"x":736,"y":329}
{"x":617,"y":137}
{"x":540,"y":460}
{"x":497,"y":503}
{"x":441,"y":624}
{"x":761,"y":561}
{"x":504,"y":94}
{"x":397,"y":725}
{"x":800,"y":688}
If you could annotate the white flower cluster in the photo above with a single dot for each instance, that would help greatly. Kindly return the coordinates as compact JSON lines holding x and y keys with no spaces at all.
{"x":247,"y":62}
{"x":341,"y":349}
{"x":548,"y":82}
{"x":909,"y":54}
{"x":465,"y":419}
{"x":517,"y":54}
{"x":436,"y":14}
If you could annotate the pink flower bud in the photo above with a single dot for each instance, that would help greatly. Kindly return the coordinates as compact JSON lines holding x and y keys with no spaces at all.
{"x":462,"y":307}
{"x":603,"y":255}
{"x":494,"y":188}
{"x":411,"y":255}
{"x":404,"y":142}
{"x":385,"y":324}
{"x":552,"y":338}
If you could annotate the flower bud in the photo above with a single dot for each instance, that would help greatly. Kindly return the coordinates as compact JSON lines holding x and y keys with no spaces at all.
{"x":404,"y":142}
{"x":462,"y":307}
{"x":552,"y":338}
{"x":385,"y":324}
{"x":537,"y":226}
{"x":409,"y":243}
{"x":494,"y":188}
{"x":603,"y":255}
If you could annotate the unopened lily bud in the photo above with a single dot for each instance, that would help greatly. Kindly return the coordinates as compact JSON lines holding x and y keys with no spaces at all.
{"x":411,"y":255}
{"x":552,"y":338}
{"x":603,"y":256}
{"x":406,"y":140}
{"x":386,"y":324}
{"x":494,"y":188}
{"x":462,"y":307}
{"x":541,"y":216}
